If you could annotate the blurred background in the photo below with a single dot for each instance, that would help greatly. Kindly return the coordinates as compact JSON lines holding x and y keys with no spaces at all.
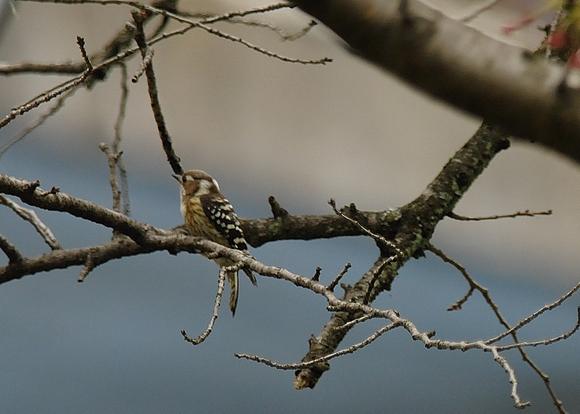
{"x":304,"y":134}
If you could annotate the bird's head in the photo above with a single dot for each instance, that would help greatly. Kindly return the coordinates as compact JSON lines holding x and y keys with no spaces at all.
{"x":195,"y":183}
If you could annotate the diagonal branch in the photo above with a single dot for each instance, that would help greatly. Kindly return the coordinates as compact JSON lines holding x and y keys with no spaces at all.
{"x":147,"y":68}
{"x":450,"y":61}
{"x":414,"y":229}
{"x":473,"y":285}
{"x":54,"y":200}
{"x":14,"y":256}
{"x":32,"y":218}
{"x":48,"y":96}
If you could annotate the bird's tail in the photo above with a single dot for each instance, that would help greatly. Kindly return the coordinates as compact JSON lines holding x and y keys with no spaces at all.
{"x":234,"y":289}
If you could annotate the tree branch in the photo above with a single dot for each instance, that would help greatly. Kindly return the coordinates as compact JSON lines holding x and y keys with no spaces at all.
{"x":413,"y":231}
{"x":54,"y":200}
{"x":460,"y":65}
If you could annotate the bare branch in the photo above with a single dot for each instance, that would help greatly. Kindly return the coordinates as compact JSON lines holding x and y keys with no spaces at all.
{"x":350,"y":324}
{"x":526,"y":213}
{"x":544,"y":341}
{"x":36,"y":123}
{"x":423,"y":213}
{"x":261,"y":50}
{"x":10,"y":250}
{"x":202,"y":24}
{"x":377,"y":237}
{"x":122,"y":171}
{"x":218,"y":299}
{"x":32,"y":218}
{"x":333,"y":284}
{"x":317,"y":273}
{"x":473,"y":285}
{"x":147,"y":59}
{"x":48,"y":96}
{"x":31,"y":194}
{"x":351,"y":307}
{"x":81,"y":44}
{"x":89,"y":266}
{"x":285,"y":36}
{"x":302,"y":365}
{"x":458,"y":64}
{"x":52,"y":68}
{"x":112,"y":159}
{"x":258,"y":10}
{"x":147,"y":55}
{"x":533,"y":316}
{"x":91,"y":257}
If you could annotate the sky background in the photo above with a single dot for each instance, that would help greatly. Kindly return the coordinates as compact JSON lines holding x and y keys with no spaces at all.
{"x":304,"y":134}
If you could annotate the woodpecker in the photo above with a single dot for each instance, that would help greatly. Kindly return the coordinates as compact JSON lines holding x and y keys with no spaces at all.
{"x":208,"y":214}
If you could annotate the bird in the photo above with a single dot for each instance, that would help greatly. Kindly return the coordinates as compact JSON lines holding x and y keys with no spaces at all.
{"x":208,"y":214}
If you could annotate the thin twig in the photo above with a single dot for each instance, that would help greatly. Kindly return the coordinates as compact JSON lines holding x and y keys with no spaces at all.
{"x":48,"y":96}
{"x":472,"y":284}
{"x":166,"y":141}
{"x":534,"y":315}
{"x":526,"y":213}
{"x":256,"y":10}
{"x":457,"y":305}
{"x":81,"y":44}
{"x":350,"y":324}
{"x":377,"y":237}
{"x":218,"y":299}
{"x":144,"y":64}
{"x":116,"y":168}
{"x":485,"y":293}
{"x":376,"y":274}
{"x":285,"y":36}
{"x":124,"y":182}
{"x":544,"y":341}
{"x":32,"y":218}
{"x":333,"y":284}
{"x":203,"y":24}
{"x":36,"y":123}
{"x":236,"y":39}
{"x":112,"y":159}
{"x":327,"y":357}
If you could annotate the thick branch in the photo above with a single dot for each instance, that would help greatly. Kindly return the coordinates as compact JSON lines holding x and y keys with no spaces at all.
{"x":62,"y":259}
{"x":310,"y":227}
{"x":450,"y":61}
{"x":54,"y":200}
{"x":413,"y":232}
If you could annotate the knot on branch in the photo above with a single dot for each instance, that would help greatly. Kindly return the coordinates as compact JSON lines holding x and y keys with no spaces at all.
{"x":53,"y":191}
{"x":277,"y":210}
{"x":30,"y":187}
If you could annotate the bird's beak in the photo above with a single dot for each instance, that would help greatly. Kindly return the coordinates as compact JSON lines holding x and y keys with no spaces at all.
{"x":177,"y":177}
